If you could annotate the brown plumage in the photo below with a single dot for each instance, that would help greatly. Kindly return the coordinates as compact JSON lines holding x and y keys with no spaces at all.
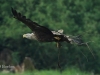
{"x":41,"y":33}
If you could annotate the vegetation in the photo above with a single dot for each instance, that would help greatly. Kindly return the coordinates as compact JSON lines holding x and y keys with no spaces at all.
{"x":75,"y":17}
{"x":53,"y":72}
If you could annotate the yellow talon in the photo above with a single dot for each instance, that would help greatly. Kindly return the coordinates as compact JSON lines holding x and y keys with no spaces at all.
{"x":57,"y":38}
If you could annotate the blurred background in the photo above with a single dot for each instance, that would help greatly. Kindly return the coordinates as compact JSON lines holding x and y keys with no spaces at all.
{"x":75,"y":17}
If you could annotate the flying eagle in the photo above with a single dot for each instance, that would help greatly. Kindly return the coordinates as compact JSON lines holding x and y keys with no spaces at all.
{"x":41,"y":33}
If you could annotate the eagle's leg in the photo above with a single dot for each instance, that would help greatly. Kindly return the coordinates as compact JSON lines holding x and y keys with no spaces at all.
{"x":58,"y":45}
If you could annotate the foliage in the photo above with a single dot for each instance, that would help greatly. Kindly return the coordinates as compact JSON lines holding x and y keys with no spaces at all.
{"x":70,"y":71}
{"x":74,"y":16}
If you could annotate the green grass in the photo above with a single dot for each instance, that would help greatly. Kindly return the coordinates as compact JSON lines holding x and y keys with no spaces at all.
{"x":70,"y":71}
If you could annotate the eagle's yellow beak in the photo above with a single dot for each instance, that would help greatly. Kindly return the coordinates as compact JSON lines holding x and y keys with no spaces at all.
{"x":24,"y":36}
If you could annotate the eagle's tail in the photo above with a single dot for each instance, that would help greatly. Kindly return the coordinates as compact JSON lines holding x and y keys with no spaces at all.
{"x":77,"y":40}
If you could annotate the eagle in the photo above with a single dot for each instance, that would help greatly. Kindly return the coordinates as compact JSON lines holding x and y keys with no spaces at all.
{"x":42,"y":33}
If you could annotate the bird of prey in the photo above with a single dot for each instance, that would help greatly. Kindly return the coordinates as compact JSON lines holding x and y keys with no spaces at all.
{"x":41,"y":33}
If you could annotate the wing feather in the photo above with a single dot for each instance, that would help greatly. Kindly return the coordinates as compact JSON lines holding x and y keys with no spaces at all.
{"x":41,"y":32}
{"x":32,"y":25}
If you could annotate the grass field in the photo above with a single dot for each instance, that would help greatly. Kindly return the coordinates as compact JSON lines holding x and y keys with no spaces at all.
{"x":51,"y":72}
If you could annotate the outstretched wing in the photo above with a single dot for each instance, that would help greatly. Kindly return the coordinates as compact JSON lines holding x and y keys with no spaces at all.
{"x":41,"y":32}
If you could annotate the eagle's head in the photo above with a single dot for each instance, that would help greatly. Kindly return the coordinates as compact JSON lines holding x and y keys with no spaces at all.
{"x":29,"y":36}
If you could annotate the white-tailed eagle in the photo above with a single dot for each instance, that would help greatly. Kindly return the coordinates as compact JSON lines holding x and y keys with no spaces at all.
{"x":40,"y":33}
{"x":43,"y":34}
